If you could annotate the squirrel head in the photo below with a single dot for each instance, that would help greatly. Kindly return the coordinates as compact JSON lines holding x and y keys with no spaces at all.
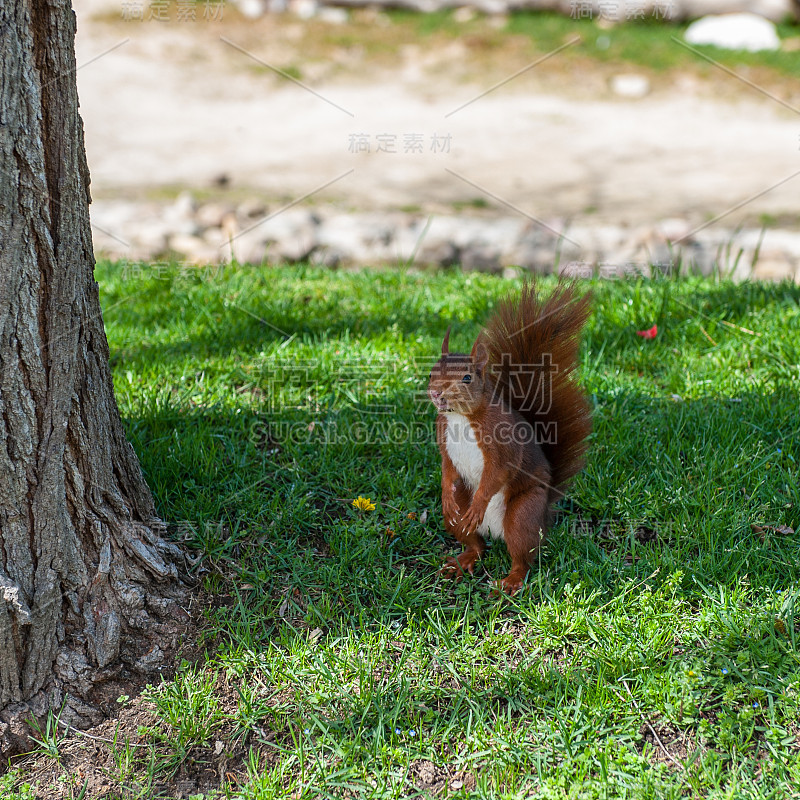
{"x":458,"y":381}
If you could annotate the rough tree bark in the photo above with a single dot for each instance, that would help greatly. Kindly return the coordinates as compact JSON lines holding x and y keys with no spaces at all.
{"x":88,"y":588}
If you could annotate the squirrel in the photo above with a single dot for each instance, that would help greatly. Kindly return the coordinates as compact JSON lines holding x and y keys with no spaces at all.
{"x":512,"y":426}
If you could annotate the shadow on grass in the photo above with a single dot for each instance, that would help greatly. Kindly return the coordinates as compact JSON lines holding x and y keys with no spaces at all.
{"x":653,"y":581}
{"x":252,"y":318}
{"x":265,"y":489}
{"x":685,"y":620}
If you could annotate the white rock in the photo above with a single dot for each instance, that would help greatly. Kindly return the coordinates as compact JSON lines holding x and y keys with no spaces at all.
{"x":252,"y":9}
{"x":220,"y":241}
{"x":481,"y":257}
{"x":183,"y":206}
{"x":109,"y":213}
{"x":193,"y":249}
{"x":289,"y":235}
{"x":362,"y":238}
{"x":326,"y":257}
{"x":701,"y":254}
{"x":672,"y":229}
{"x":499,"y":232}
{"x":247,"y":247}
{"x":536,"y":248}
{"x":481,"y":244}
{"x":734,"y":32}
{"x":211,"y":215}
{"x":630,"y":85}
{"x":216,"y":237}
{"x":491,"y":6}
{"x":773,"y":266}
{"x":333,"y":16}
{"x":770,"y":240}
{"x":148,"y":237}
{"x":304,"y":9}
{"x":414,"y":245}
{"x":179,"y":217}
{"x":251,"y":209}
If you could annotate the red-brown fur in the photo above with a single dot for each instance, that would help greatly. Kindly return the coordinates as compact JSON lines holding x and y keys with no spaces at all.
{"x":504,"y":368}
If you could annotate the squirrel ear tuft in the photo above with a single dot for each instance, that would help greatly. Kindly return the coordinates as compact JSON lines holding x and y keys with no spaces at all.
{"x":480,"y":354}
{"x":446,"y":343}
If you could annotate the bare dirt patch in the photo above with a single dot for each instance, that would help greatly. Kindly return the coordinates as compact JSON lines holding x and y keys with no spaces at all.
{"x":662,"y":743}
{"x":437,"y":779}
{"x":130,"y":755}
{"x":175,"y":105}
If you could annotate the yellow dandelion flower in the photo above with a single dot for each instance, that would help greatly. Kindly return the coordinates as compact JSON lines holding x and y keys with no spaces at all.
{"x":364,"y":504}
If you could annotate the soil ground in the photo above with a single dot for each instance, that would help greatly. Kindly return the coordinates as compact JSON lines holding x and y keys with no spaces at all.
{"x":198,"y":105}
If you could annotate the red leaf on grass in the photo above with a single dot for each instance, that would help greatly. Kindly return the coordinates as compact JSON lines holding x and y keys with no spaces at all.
{"x":650,"y":333}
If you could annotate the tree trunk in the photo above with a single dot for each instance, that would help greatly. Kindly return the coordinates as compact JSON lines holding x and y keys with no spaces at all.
{"x":88,"y":587}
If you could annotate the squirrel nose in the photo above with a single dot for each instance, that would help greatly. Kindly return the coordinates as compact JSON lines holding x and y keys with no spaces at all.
{"x":435,"y":394}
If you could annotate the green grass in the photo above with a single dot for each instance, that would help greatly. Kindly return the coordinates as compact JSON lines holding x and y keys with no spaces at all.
{"x":14,"y":786}
{"x":648,"y":43}
{"x":261,"y":401}
{"x":493,"y":50}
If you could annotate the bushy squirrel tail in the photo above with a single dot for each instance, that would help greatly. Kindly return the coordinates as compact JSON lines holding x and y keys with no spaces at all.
{"x":533,"y":352}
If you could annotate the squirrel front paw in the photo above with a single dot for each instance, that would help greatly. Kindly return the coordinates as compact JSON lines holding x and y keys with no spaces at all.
{"x":473,"y":518}
{"x":450,"y":511}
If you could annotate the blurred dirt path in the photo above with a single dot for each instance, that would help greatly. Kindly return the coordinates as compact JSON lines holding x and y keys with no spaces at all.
{"x":174,"y":105}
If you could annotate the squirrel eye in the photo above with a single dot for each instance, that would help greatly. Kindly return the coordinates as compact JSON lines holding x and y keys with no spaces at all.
{"x":467,"y":379}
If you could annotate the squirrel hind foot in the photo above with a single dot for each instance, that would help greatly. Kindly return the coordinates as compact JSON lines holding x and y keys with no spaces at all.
{"x":509,"y":585}
{"x":457,"y":567}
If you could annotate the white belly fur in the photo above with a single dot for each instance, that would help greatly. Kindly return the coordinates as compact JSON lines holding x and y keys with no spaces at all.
{"x":462,"y":447}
